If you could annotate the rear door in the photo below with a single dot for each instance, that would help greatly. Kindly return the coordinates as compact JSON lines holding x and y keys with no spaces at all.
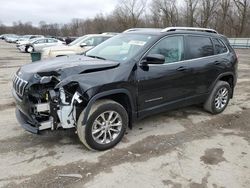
{"x":203,"y":61}
{"x":51,"y":42}
{"x":40,"y":44}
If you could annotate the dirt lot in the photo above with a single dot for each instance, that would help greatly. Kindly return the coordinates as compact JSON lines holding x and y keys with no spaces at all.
{"x":181,"y":148}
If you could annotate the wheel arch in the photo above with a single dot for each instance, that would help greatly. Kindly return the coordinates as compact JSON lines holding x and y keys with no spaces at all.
{"x":122,"y":96}
{"x":228,"y":77}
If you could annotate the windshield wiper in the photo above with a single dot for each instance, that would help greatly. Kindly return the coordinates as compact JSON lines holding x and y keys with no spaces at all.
{"x":97,"y":57}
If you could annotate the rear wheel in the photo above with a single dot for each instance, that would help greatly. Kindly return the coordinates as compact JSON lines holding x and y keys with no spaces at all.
{"x":219,"y":98}
{"x":105,"y":127}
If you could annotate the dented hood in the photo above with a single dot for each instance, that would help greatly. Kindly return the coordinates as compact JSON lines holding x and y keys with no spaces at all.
{"x":67,"y":65}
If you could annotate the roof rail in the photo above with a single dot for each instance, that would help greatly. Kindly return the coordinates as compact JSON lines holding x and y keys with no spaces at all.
{"x":142,"y":29}
{"x":110,"y":33}
{"x":168,"y":29}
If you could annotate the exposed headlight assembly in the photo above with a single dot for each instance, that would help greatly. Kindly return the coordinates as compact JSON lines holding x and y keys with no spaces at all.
{"x":45,"y":79}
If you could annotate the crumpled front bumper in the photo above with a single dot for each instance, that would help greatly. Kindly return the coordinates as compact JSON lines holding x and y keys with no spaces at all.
{"x":22,"y":115}
{"x":24,"y":122}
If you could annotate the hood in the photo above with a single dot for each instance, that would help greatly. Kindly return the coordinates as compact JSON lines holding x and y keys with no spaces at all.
{"x":66,"y":66}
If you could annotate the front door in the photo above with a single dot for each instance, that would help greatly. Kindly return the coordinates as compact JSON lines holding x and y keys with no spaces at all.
{"x":166,"y":83}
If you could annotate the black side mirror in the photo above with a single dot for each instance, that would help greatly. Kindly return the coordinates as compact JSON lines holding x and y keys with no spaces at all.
{"x":154,"y":59}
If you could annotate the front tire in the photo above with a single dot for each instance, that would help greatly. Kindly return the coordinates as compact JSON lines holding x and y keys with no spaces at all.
{"x":29,"y":49}
{"x":105,"y":127}
{"x":219,"y":98}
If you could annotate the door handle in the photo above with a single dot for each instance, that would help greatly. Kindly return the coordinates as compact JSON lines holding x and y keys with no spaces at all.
{"x":182,"y":68}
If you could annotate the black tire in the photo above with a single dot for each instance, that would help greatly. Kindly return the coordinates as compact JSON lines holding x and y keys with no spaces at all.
{"x":29,"y":47}
{"x":85,"y":131}
{"x":210,"y":103}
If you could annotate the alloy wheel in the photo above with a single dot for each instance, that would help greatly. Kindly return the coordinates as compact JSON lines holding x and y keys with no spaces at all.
{"x":221,"y":98}
{"x":106,"y":127}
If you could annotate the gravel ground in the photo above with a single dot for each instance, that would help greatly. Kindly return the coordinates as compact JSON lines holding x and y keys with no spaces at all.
{"x":182,"y":148}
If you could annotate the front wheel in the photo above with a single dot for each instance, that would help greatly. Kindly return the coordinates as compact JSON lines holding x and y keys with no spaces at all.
{"x":30,"y":49}
{"x":105,"y":127}
{"x":219,"y":98}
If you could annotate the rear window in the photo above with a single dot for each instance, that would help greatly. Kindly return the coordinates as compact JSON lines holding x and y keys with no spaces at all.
{"x":219,"y":46}
{"x":199,"y":47}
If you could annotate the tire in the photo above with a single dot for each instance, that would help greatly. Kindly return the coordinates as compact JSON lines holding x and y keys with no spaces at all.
{"x":99,"y":111}
{"x":29,"y":49}
{"x":217,"y":96}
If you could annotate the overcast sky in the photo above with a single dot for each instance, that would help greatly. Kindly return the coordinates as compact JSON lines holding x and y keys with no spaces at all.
{"x":51,"y":11}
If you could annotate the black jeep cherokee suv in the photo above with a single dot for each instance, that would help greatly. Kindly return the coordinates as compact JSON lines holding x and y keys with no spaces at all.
{"x":132,"y":75}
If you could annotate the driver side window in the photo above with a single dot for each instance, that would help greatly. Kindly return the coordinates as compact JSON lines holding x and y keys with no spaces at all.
{"x":89,"y":41}
{"x":172,"y":48}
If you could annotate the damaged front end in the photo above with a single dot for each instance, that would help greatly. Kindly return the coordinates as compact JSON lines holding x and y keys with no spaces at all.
{"x":42,"y":105}
{"x":51,"y":94}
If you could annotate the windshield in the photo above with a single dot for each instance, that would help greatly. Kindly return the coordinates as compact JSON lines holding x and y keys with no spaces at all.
{"x":78,"y":40}
{"x":121,"y":47}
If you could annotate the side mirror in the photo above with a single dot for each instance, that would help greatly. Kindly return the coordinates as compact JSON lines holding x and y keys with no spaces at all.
{"x":83,"y":45}
{"x":154,"y":59}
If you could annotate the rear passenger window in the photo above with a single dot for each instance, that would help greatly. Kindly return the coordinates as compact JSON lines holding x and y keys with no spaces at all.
{"x":171,"y":48}
{"x":219,"y":47}
{"x":199,"y":47}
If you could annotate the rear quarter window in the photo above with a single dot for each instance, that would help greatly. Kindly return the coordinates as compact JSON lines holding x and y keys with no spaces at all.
{"x":199,"y":46}
{"x":219,"y":46}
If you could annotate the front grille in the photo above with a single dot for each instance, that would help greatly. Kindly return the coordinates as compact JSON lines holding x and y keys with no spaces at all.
{"x":19,"y":85}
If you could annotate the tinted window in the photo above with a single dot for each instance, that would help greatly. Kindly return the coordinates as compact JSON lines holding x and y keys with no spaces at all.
{"x":219,"y":47}
{"x":94,"y":41}
{"x":199,"y":47}
{"x":52,"y":40}
{"x":171,"y":48}
{"x":89,"y":41}
{"x":40,"y":41}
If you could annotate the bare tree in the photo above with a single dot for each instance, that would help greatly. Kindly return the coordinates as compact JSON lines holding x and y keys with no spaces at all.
{"x":224,"y":8}
{"x":191,"y":9}
{"x":230,"y":17}
{"x":242,"y":8}
{"x":129,"y":12}
{"x":155,"y":14}
{"x":207,"y":10}
{"x":166,"y":10}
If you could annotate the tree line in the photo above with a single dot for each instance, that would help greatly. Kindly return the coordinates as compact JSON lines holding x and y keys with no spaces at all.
{"x":229,"y":17}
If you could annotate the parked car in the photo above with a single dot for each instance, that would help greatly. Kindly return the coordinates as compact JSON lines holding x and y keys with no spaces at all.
{"x":12,"y":38}
{"x":26,"y":38}
{"x":138,"y":73}
{"x":68,"y":40}
{"x":37,"y":44}
{"x":78,"y":46}
{"x":3,"y":36}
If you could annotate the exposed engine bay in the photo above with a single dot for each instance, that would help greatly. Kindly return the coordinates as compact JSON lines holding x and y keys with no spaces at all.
{"x":54,"y":108}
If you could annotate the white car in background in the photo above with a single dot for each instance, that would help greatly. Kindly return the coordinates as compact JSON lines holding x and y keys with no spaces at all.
{"x":26,"y":39}
{"x":37,"y":45}
{"x":78,"y":46}
{"x":12,"y":38}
